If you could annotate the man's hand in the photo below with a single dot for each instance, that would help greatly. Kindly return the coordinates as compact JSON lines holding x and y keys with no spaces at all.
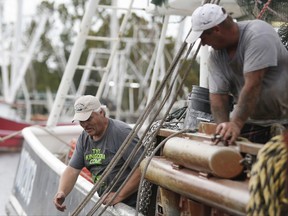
{"x":108,"y":198}
{"x":129,"y":188}
{"x":59,"y":200}
{"x":228,"y":131}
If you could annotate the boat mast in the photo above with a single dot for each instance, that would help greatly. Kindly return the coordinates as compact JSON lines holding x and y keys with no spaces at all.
{"x":114,"y":72}
{"x":19,"y":74}
{"x":3,"y":57}
{"x":159,"y":55}
{"x":16,"y":48}
{"x":70,"y":69}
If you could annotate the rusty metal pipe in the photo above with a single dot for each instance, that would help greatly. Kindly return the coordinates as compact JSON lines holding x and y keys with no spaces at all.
{"x":204,"y":157}
{"x":230,"y":196}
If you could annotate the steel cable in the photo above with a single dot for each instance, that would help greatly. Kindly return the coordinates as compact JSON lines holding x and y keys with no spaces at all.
{"x":132,"y":134}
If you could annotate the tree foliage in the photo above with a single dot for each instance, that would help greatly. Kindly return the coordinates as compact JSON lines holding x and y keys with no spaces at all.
{"x":60,"y":33}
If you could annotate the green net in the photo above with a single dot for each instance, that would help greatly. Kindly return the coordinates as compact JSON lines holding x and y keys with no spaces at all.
{"x":268,"y":10}
{"x":283,"y":33}
{"x":272,"y":11}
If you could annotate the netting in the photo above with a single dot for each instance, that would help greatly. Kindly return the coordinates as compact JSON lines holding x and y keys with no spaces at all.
{"x":283,"y":33}
{"x":272,"y":11}
{"x":268,"y":10}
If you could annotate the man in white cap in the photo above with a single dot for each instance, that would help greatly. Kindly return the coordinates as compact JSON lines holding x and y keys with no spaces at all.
{"x":248,"y":61}
{"x":95,"y":148}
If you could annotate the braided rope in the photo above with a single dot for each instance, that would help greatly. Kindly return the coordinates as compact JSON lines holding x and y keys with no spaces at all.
{"x":268,"y":179}
{"x":266,"y":6}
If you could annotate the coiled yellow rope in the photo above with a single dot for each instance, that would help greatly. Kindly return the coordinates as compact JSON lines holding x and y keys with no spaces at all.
{"x":267,"y":182}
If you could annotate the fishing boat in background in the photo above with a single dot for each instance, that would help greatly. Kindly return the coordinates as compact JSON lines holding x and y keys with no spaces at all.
{"x":12,"y":121}
{"x":11,"y":124}
{"x":16,"y":103}
{"x":46,"y":149}
{"x":10,"y":133}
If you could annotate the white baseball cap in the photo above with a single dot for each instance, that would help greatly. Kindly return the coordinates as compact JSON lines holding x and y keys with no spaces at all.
{"x":84,"y":106}
{"x":203,"y":18}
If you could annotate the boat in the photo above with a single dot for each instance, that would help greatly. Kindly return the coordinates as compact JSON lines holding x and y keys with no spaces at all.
{"x":203,"y":186}
{"x":11,"y":125}
{"x":16,"y":103}
{"x":10,"y":132}
{"x":42,"y":160}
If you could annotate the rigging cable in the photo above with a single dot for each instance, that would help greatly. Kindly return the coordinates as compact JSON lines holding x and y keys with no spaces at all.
{"x":155,"y":113}
{"x":133,"y":133}
{"x":148,"y":109}
{"x":135,"y":130}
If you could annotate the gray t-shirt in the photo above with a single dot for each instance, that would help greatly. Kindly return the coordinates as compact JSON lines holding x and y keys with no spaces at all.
{"x":259,"y":47}
{"x":96,"y":155}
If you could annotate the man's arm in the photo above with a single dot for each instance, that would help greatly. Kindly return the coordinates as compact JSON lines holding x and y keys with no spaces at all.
{"x":129,"y":188}
{"x":248,"y":98}
{"x":220,"y":107}
{"x":66,"y":184}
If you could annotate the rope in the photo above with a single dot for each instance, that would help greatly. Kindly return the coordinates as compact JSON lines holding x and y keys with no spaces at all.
{"x":139,"y":123}
{"x":155,"y":115}
{"x":2,"y":139}
{"x":137,"y":127}
{"x":133,"y":133}
{"x":264,"y":9}
{"x":268,"y":179}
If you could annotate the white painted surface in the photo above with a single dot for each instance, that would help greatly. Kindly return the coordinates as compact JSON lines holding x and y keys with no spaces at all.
{"x":8,"y":166}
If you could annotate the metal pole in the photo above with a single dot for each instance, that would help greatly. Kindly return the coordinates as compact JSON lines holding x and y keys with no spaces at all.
{"x":17,"y":80}
{"x":203,"y":79}
{"x":16,"y":43}
{"x":158,"y":57}
{"x":70,"y":69}
{"x":86,"y":73}
{"x":3,"y":58}
{"x":114,"y":51}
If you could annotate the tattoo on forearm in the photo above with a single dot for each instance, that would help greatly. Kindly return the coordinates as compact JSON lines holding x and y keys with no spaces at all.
{"x":247,"y":103}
